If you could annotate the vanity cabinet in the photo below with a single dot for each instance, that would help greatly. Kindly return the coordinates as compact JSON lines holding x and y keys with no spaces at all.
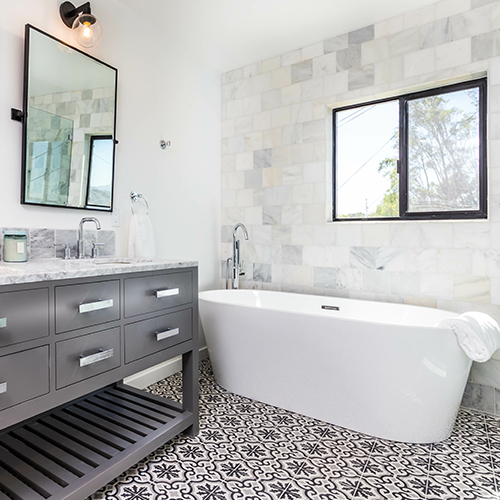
{"x":65,"y":347}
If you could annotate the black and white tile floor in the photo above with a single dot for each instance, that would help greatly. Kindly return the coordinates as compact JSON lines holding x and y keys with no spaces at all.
{"x":248,"y":450}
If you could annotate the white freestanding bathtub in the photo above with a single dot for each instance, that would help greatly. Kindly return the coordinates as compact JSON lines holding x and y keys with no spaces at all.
{"x":378,"y":368}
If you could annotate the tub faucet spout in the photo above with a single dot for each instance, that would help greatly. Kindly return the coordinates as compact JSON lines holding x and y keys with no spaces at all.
{"x":236,"y":268}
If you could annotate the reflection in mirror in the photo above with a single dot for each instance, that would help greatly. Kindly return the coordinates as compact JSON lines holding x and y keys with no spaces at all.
{"x":70,"y":99}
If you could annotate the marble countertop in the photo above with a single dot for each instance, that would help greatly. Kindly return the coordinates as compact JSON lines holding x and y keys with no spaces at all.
{"x":57,"y":269}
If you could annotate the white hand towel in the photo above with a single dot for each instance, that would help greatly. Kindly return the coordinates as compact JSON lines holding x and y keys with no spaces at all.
{"x":141,"y":240}
{"x":477,"y":333}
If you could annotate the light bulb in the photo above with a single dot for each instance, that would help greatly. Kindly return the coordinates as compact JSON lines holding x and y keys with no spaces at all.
{"x":87,"y":33}
{"x":87,"y":30}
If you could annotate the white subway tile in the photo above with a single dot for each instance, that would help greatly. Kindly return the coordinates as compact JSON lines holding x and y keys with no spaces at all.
{"x":290,"y":58}
{"x":244,"y":161}
{"x":281,"y":117}
{"x":472,"y":288}
{"x":270,"y":64}
{"x":419,"y":62}
{"x":349,"y":234}
{"x":439,"y":286}
{"x":312,"y":51}
{"x":389,"y":27}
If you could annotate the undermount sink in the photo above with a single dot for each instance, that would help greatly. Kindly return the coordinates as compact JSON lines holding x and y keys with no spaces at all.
{"x":111,"y":262}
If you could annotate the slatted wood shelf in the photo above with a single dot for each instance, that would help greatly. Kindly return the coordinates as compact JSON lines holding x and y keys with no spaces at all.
{"x":74,"y":450}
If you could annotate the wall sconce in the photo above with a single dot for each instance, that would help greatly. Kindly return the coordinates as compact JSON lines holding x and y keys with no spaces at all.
{"x":86,"y":28}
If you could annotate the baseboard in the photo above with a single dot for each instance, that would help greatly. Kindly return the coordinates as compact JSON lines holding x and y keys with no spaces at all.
{"x":159,"y":372}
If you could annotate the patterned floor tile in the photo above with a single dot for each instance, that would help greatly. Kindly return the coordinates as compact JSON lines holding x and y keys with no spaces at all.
{"x":248,"y":450}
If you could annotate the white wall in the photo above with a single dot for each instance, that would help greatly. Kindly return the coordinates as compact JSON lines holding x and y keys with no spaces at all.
{"x":164,"y":91}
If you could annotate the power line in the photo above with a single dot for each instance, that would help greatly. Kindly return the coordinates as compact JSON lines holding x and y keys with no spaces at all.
{"x":367,"y":161}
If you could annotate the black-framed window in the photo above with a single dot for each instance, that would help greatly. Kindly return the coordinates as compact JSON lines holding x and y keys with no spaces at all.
{"x":100,"y":173}
{"x":418,"y":156}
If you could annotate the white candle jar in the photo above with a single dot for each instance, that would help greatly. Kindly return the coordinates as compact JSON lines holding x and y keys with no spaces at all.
{"x":15,"y":246}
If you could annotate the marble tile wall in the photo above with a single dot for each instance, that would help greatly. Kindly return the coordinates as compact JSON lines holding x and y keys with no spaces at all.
{"x":276,"y":159}
{"x":42,"y":242}
{"x":92,"y":113}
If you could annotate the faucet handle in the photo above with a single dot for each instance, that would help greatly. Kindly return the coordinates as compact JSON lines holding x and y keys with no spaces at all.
{"x":95,"y":249}
{"x":67,"y":250}
{"x":241,"y":270}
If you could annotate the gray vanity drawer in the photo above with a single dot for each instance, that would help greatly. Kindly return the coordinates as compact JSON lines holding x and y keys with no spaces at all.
{"x":79,"y":306}
{"x":84,"y":357}
{"x":24,"y":316}
{"x":153,"y":335}
{"x":23,"y":376}
{"x":173,"y":289}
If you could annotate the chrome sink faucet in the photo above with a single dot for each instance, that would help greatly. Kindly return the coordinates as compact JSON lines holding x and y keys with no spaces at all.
{"x":80,"y":250}
{"x":235,"y":269}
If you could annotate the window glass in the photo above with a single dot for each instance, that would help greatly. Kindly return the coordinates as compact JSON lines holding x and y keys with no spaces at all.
{"x":443,"y":152}
{"x":366,"y":156}
{"x":101,"y":172}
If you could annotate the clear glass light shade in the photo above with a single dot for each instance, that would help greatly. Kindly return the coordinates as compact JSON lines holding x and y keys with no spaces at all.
{"x":87,"y":30}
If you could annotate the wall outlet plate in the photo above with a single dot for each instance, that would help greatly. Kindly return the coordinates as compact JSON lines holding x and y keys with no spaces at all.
{"x":115,"y":218}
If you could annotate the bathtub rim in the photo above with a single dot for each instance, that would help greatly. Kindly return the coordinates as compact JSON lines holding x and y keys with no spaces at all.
{"x":202,"y":296}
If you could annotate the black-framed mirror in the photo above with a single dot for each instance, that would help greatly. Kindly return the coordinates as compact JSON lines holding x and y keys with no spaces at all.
{"x":69,"y":126}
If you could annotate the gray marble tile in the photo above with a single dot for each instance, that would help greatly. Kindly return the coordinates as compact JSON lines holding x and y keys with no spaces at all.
{"x":487,"y":373}
{"x":349,"y":58}
{"x":361,"y":77}
{"x":387,"y":256}
{"x":435,"y":33}
{"x":89,"y":237}
{"x":262,"y":272}
{"x":363,"y":257}
{"x":271,"y":215}
{"x":63,"y":236}
{"x":42,"y":243}
{"x":336,"y":43}
{"x":362,"y":35}
{"x":85,"y":120}
{"x":262,"y":158}
{"x":479,"y":397}
{"x":302,"y":71}
{"x":497,"y":401}
{"x":291,"y":255}
{"x":484,"y":46}
{"x":325,"y":277}
{"x":253,"y":179}
{"x":108,"y":238}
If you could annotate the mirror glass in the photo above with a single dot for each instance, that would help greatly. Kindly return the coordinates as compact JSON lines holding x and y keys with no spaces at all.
{"x":69,"y":126}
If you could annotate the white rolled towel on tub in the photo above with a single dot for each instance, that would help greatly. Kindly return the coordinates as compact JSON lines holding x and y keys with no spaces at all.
{"x":477,"y":333}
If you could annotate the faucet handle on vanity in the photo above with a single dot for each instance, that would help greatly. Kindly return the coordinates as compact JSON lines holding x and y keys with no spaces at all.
{"x":67,"y":250}
{"x":241,"y":270}
{"x":95,"y":249}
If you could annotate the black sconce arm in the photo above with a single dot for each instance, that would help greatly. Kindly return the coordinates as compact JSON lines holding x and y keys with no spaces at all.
{"x":69,"y":12}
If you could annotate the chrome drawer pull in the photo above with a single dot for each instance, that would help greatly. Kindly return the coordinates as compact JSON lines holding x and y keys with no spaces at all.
{"x":95,"y":306}
{"x":166,"y":293}
{"x":3,"y":322}
{"x":95,"y":358}
{"x":166,"y":334}
{"x":3,"y":387}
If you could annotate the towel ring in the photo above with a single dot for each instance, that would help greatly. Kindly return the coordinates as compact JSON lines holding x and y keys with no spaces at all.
{"x":135,"y":197}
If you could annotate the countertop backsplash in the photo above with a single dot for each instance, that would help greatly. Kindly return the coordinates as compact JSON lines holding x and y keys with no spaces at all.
{"x":41,"y":242}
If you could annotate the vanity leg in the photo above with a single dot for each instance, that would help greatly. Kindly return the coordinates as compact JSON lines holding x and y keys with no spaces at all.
{"x":190,"y":389}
